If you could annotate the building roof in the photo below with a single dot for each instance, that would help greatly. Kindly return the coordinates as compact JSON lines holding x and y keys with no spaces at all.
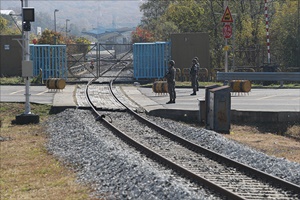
{"x":106,"y":33}
{"x":7,"y":12}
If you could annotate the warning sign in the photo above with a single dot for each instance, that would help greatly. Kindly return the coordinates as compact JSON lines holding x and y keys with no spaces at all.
{"x":227,"y":17}
{"x":227,"y":31}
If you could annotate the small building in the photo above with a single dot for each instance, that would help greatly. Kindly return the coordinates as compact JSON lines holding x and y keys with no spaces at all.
{"x":186,"y":46}
{"x":10,"y":55}
{"x":7,"y":12}
{"x":11,"y":50}
{"x":17,"y":18}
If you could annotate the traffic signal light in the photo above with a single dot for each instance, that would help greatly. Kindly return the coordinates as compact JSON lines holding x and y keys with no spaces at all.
{"x":26,"y":26}
{"x":28,"y":16}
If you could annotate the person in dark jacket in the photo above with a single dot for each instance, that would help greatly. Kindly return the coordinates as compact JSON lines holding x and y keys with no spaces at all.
{"x":198,"y":69}
{"x":170,"y":76}
{"x":194,"y":76}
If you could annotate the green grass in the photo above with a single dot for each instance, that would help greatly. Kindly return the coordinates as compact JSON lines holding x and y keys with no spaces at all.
{"x":285,"y":85}
{"x":16,"y":80}
{"x":11,"y":80}
{"x":9,"y":110}
{"x":184,"y":84}
{"x":187,"y":84}
{"x":28,"y":171}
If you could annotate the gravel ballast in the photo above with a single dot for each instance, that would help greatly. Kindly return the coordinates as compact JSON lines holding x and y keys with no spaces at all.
{"x":117,"y":171}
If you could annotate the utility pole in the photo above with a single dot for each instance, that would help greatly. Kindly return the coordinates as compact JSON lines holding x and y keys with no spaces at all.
{"x":27,"y":58}
{"x":55,"y":38}
{"x":67,"y":20}
{"x":298,"y":59}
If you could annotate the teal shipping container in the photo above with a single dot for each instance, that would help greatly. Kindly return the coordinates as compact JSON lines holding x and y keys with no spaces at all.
{"x":50,"y":59}
{"x":150,"y":60}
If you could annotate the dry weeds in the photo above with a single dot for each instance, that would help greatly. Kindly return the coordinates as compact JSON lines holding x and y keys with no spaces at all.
{"x":27,"y":170}
{"x":274,"y":143}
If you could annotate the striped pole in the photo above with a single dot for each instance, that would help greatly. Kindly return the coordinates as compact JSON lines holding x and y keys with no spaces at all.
{"x":267,"y":29}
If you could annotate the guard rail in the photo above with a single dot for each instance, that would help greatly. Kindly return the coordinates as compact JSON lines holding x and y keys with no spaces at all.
{"x":259,"y":76}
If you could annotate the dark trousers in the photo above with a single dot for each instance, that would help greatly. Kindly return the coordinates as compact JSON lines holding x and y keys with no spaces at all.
{"x":171,"y":90}
{"x":194,"y":81}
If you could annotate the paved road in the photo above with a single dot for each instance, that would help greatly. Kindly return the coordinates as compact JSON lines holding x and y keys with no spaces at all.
{"x":257,"y":100}
{"x":39,"y":94}
{"x":268,"y":100}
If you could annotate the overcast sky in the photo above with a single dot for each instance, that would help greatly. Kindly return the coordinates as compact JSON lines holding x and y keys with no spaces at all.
{"x":85,"y":14}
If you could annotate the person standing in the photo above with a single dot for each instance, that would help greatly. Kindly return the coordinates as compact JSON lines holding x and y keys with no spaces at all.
{"x":170,"y":76}
{"x":198,"y":69}
{"x":194,"y":76}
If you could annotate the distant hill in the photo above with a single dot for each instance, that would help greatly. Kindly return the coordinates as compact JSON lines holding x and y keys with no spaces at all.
{"x":85,"y":14}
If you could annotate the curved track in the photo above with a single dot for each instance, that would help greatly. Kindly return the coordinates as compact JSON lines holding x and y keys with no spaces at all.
{"x":221,"y":174}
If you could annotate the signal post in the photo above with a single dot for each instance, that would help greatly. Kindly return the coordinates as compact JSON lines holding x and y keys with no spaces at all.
{"x":27,"y":66}
{"x":227,"y":31}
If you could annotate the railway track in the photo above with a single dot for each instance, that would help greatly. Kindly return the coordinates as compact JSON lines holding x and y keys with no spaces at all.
{"x":101,"y":94}
{"x":223,"y":175}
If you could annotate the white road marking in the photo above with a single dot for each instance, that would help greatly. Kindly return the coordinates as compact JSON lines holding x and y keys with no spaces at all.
{"x":267,"y":97}
{"x":298,"y":98}
{"x":16,"y":92}
{"x":42,"y":93}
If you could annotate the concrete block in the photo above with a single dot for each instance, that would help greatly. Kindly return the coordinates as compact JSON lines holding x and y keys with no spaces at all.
{"x":27,"y":119}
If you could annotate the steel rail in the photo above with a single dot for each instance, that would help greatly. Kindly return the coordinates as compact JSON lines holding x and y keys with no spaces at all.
{"x":151,"y":153}
{"x":156,"y":156}
{"x":191,"y":146}
{"x":169,"y":163}
{"x":196,"y":148}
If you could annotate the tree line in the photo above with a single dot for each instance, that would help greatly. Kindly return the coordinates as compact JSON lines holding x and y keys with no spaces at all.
{"x":248,"y":44}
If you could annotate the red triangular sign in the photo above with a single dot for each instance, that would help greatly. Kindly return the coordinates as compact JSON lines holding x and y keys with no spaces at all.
{"x":227,"y":16}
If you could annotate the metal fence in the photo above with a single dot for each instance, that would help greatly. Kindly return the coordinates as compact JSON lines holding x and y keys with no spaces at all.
{"x":90,"y":60}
